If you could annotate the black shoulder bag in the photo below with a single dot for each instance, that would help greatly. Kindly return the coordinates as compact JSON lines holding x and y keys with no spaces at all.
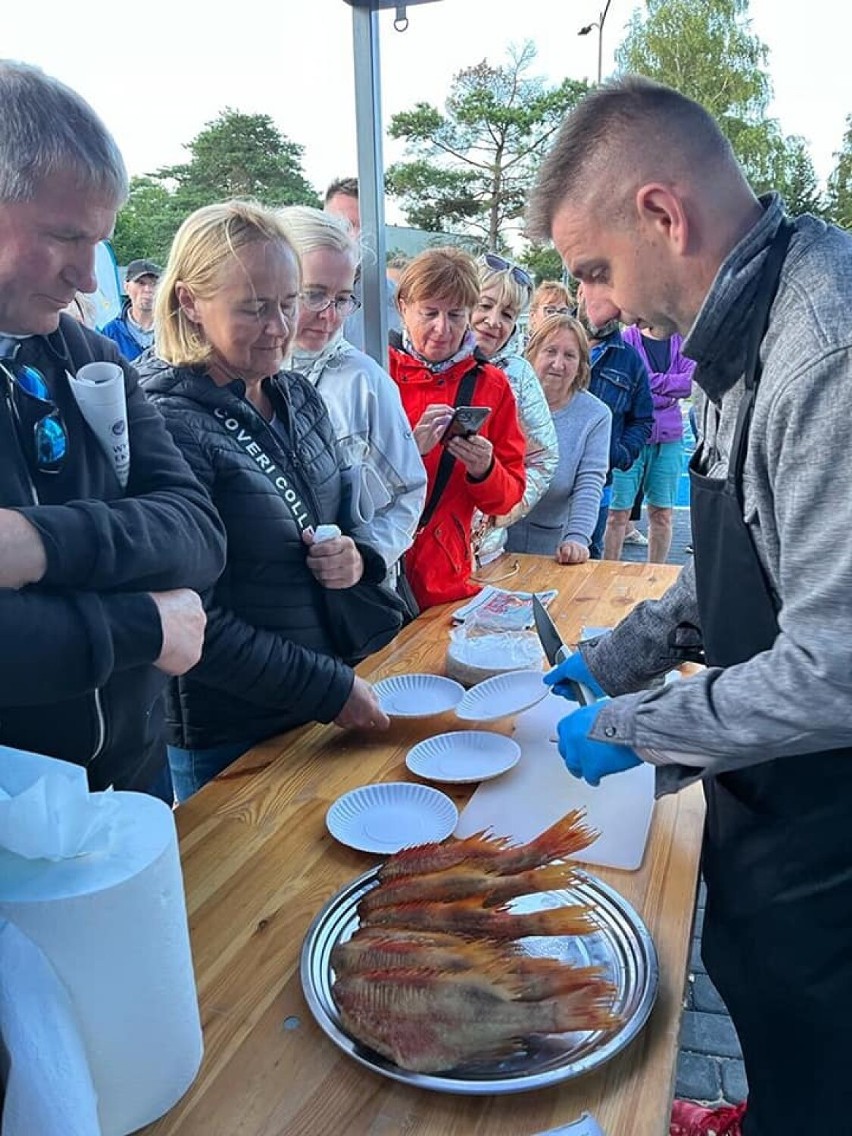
{"x":464,"y":397}
{"x":362,"y":619}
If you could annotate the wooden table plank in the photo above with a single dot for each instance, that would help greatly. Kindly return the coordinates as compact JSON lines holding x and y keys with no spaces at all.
{"x":258,"y":865}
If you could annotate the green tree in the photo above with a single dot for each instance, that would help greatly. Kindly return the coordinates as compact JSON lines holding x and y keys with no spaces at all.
{"x":796,"y":178}
{"x":147,"y":223}
{"x":542,"y":262}
{"x":241,"y":155}
{"x":706,"y":50}
{"x":237,"y":155}
{"x":839,"y":195}
{"x":470,"y":166}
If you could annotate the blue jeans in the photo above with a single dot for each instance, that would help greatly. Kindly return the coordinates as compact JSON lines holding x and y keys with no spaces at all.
{"x":162,"y":786}
{"x":596,"y":543}
{"x":192,"y":768}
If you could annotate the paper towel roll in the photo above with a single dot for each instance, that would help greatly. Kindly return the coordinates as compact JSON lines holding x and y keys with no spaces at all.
{"x":113,"y":926}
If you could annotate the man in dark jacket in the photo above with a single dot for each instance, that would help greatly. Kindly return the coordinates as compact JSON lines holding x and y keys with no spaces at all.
{"x":619,"y":379}
{"x":133,"y":330}
{"x":96,"y":606}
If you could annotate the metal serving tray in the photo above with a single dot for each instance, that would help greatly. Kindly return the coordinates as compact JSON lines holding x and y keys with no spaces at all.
{"x":621,"y":944}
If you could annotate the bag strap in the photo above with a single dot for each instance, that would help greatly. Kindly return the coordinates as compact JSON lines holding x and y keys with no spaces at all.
{"x":290,"y":492}
{"x":464,"y":396}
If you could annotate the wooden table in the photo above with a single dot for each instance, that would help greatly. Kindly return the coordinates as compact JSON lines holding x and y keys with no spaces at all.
{"x":259,"y":863}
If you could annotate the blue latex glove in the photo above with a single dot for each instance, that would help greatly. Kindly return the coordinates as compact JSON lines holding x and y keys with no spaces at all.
{"x":573,"y":667}
{"x":587,"y":758}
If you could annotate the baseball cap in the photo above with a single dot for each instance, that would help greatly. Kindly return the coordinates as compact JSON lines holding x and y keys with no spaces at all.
{"x":138,"y":268}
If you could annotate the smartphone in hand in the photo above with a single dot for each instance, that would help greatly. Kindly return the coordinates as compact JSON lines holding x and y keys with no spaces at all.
{"x":466,"y":421}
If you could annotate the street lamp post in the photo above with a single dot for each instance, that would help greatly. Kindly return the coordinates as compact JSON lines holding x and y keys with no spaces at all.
{"x":599,"y":24}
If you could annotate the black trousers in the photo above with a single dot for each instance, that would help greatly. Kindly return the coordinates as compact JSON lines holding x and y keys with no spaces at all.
{"x":777,"y":939}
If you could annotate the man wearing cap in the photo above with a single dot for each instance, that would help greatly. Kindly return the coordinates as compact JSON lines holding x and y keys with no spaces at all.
{"x":133,"y":330}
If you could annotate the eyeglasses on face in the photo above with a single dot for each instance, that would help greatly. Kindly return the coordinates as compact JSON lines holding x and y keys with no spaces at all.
{"x":554,"y":310}
{"x":500,"y":264}
{"x":316,"y":301}
{"x":38,"y":418}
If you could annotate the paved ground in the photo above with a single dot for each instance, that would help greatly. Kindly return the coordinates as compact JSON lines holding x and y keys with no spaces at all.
{"x":710,"y":1066}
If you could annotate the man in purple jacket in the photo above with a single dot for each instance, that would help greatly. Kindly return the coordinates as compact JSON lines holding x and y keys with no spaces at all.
{"x":657,"y":469}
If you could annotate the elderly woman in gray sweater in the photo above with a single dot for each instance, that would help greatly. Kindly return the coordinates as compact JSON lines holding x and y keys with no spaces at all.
{"x":562,"y":522}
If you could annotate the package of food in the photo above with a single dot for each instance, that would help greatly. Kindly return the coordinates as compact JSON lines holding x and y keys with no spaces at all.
{"x":479,"y":650}
{"x":501,"y":609}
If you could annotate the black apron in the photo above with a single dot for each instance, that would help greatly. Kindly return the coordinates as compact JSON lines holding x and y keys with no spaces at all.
{"x":777,"y":858}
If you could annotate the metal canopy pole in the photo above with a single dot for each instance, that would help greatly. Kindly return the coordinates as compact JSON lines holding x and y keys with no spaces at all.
{"x":371,"y":167}
{"x":371,"y":197}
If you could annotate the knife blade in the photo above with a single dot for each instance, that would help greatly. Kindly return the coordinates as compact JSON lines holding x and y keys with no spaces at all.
{"x":556,"y":651}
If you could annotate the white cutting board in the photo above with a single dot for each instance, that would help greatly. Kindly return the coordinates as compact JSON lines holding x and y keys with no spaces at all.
{"x":539,"y":790}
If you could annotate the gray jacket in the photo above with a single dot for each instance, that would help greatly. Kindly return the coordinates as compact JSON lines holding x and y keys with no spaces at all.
{"x":375,"y":442}
{"x":541,"y":458}
{"x":795,"y":698}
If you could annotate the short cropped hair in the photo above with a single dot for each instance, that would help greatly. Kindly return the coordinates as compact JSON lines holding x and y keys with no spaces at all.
{"x":208,"y":239}
{"x":45,"y":129}
{"x":511,"y":293}
{"x":611,"y":136}
{"x":444,"y":273}
{"x":311,"y":229}
{"x":348,"y":186}
{"x":552,"y":326}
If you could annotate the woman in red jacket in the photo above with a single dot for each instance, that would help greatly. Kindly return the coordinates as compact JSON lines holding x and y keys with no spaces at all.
{"x":429,"y":361}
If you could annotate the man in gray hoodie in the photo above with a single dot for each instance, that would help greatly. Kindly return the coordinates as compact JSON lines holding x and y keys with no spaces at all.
{"x":649,"y":209}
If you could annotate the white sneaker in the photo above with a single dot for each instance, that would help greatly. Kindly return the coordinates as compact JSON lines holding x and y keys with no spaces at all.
{"x":636,"y":537}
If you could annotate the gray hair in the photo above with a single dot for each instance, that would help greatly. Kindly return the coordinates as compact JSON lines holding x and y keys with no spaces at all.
{"x":311,"y":229}
{"x":612,"y":136}
{"x":46,"y":128}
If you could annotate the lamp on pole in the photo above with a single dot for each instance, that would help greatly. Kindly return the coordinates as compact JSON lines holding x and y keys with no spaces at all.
{"x":599,"y":24}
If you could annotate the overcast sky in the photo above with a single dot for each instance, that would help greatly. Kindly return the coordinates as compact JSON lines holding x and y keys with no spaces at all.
{"x":158,"y":71}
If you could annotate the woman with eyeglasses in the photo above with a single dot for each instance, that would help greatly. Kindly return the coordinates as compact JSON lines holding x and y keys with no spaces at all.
{"x":385,"y":478}
{"x":551,"y":298}
{"x":438,"y":367}
{"x":562,"y":522}
{"x":505,"y":291}
{"x":261,"y":442}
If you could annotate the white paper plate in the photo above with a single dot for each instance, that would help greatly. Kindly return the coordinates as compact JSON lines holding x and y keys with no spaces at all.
{"x":463,"y":756}
{"x":504,"y":694}
{"x":391,"y":815}
{"x":417,"y":695}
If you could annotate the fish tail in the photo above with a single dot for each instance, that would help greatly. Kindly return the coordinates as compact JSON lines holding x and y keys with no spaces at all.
{"x":553,"y":877}
{"x":546,"y":978}
{"x":567,"y":835}
{"x":590,"y":1008}
{"x":573,"y":919}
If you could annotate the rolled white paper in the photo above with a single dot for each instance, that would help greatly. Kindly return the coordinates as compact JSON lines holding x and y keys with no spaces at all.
{"x":47,"y":811}
{"x":53,"y":1097}
{"x":99,"y":391}
{"x":112,"y":925}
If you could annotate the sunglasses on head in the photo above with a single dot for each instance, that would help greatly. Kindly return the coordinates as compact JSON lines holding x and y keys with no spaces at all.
{"x":500,"y":264}
{"x":41,"y":427}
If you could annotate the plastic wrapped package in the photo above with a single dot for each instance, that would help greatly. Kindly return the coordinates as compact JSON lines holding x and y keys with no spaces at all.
{"x":479,"y":649}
